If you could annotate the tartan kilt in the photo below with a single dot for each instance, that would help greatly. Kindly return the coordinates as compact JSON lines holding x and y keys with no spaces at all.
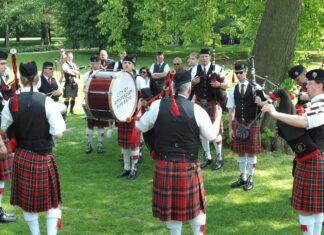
{"x":35,"y":183}
{"x":5,"y":160}
{"x":209,"y":106}
{"x":126,"y":132}
{"x":70,"y":90}
{"x":178,"y":191}
{"x":6,"y":166}
{"x":252,"y":145}
{"x":308,"y":187}
{"x":91,"y":123}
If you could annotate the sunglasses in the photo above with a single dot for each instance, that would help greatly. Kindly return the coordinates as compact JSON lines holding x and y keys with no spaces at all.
{"x":143,"y":72}
{"x":241,"y":72}
{"x":49,"y":68}
{"x":176,"y":64}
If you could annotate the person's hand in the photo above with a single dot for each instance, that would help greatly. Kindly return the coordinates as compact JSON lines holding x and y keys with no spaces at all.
{"x":304,"y":96}
{"x":269,"y":108}
{"x":195,"y":81}
{"x":231,"y":133}
{"x":214,"y":83}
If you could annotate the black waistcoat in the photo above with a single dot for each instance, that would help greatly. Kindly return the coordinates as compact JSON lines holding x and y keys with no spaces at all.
{"x":203,"y":89}
{"x":245,"y":107}
{"x":159,"y":69}
{"x":176,"y":134}
{"x":47,"y":88}
{"x":31,"y":125}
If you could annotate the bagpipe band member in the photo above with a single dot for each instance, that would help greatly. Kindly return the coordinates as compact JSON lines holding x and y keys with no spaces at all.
{"x":308,"y":185}
{"x":178,"y":189}
{"x":106,"y":63}
{"x":243,"y":102}
{"x":5,"y":157}
{"x":128,"y":137}
{"x":159,"y":71}
{"x":298,"y":74}
{"x":47,"y":84}
{"x":91,"y":123}
{"x":35,"y":180}
{"x":207,"y":92}
{"x":71,"y":72}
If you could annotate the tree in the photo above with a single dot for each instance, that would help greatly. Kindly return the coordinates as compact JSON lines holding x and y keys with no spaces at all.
{"x":275,"y":42}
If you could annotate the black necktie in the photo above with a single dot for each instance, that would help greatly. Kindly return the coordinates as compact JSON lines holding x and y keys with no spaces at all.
{"x":242,"y":90}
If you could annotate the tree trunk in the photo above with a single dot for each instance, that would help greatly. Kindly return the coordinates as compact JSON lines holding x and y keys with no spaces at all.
{"x":275,"y":44}
{"x":45,"y":34}
{"x":6,"y":42}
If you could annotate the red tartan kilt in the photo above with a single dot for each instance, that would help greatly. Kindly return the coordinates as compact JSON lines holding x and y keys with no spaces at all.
{"x":35,"y":182}
{"x":5,"y":166}
{"x":252,"y":145}
{"x":126,"y":138}
{"x":178,"y":191}
{"x":100,"y":124}
{"x":308,"y":187}
{"x":209,"y":106}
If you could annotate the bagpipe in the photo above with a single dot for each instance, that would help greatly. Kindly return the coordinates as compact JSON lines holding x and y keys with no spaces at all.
{"x":167,"y":91}
{"x":298,"y":139}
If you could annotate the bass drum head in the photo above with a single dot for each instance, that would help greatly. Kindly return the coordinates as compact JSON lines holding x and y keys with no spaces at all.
{"x":123,"y":96}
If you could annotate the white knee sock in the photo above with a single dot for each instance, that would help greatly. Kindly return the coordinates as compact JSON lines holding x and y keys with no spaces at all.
{"x":134,"y":154}
{"x":205,"y":144}
{"x":52,"y":220}
{"x":101,"y":133}
{"x":242,"y":164}
{"x":89,"y":133}
{"x":126,"y":157}
{"x":307,"y":224}
{"x":198,"y":224}
{"x":109,"y":133}
{"x":318,"y":223}
{"x":175,"y":227}
{"x":251,"y":161}
{"x":2,"y":185}
{"x":32,"y":221}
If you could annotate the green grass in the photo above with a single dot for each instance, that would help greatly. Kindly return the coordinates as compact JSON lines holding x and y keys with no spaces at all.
{"x":96,"y":202}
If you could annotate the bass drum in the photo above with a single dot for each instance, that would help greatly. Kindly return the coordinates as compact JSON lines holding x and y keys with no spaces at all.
{"x":111,"y":95}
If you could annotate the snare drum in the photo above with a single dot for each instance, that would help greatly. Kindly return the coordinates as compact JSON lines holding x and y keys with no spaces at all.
{"x":111,"y":95}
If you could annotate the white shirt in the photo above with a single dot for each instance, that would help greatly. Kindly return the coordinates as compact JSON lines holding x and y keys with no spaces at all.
{"x":165,"y":70}
{"x":206,"y":128}
{"x":142,"y":82}
{"x":86,"y":77}
{"x":67,"y":65}
{"x":218,"y":70}
{"x":231,"y":102}
{"x":53,"y":115}
{"x":317,"y":119}
{"x":116,"y":65}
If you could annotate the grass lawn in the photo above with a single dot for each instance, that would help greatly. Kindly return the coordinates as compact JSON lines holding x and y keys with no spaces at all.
{"x":96,"y":202}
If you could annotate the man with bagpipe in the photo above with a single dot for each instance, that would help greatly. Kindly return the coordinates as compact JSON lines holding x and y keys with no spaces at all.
{"x":305,"y":135}
{"x":243,"y":101}
{"x":35,"y":180}
{"x":175,"y":125}
{"x":298,"y":74}
{"x":209,"y":84}
{"x":5,"y":157}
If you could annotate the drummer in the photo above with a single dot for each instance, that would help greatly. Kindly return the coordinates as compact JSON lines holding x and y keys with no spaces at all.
{"x":91,"y":123}
{"x":128,"y":138}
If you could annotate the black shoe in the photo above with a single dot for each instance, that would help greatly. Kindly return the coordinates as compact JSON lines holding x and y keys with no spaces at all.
{"x":249,"y":184}
{"x":239,"y":182}
{"x":123,"y":173}
{"x":72,"y":112}
{"x":205,"y":163}
{"x":6,"y":218}
{"x":99,"y":148}
{"x":89,"y":149}
{"x":132,"y":175}
{"x":218,"y":163}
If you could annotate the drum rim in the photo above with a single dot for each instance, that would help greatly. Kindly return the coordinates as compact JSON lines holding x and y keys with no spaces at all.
{"x":110,"y":96}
